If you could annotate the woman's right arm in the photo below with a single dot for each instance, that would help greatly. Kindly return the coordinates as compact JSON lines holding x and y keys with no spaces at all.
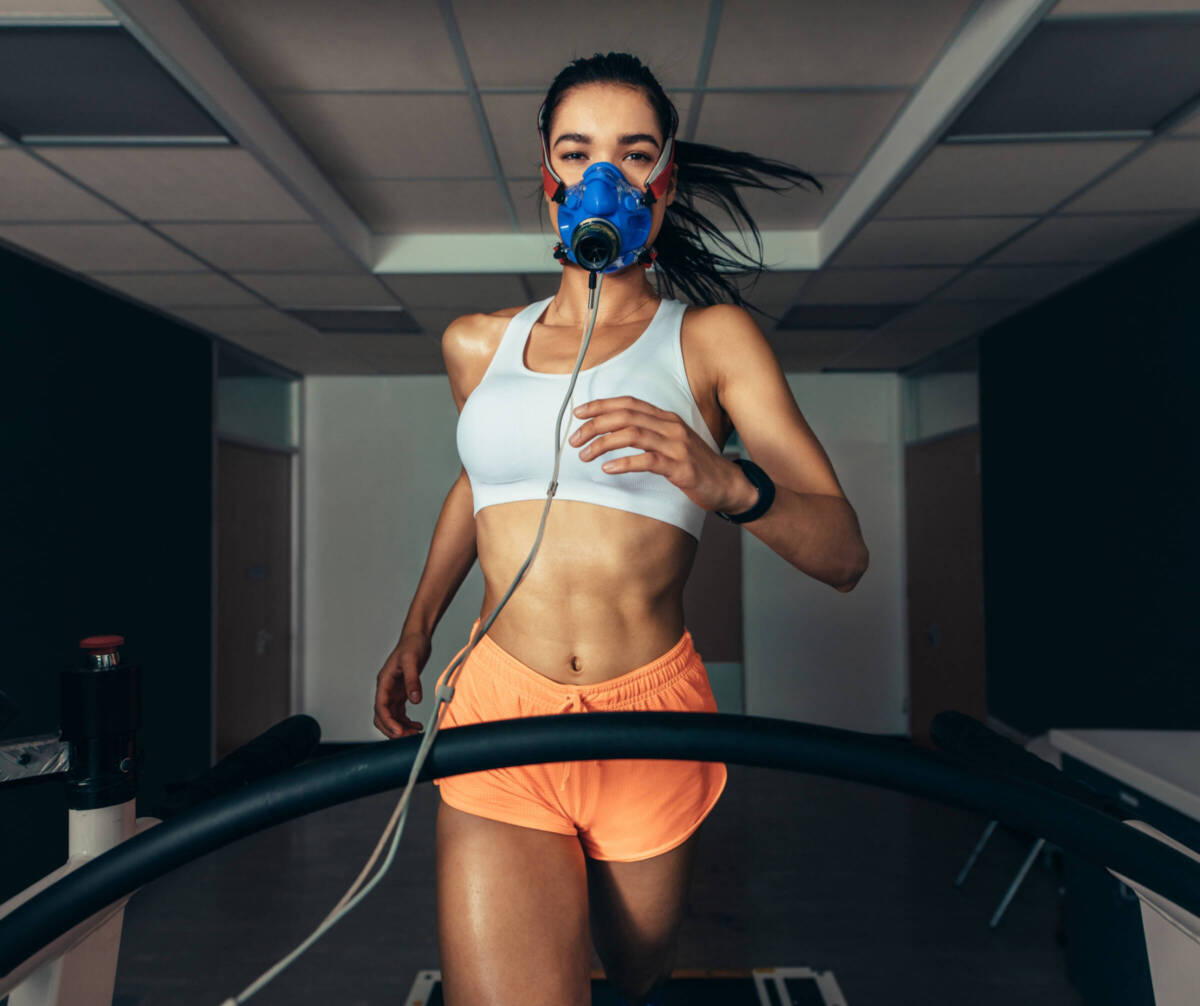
{"x":452,"y":553}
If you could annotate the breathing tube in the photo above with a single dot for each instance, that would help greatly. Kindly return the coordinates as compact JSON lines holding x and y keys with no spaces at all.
{"x":604,"y":222}
{"x":444,"y":693}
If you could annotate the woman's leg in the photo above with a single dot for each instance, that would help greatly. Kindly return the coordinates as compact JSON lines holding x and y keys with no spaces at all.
{"x":512,"y":914}
{"x":636,"y":909}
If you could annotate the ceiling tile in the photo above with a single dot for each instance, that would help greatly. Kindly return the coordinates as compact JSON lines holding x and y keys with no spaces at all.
{"x":774,"y":286}
{"x":1123,"y":6}
{"x":179,"y":183}
{"x":1099,"y":238}
{"x":460,"y":292}
{"x":812,"y":350}
{"x":405,"y":368}
{"x":256,"y":321}
{"x":973,"y":179}
{"x":34,"y":192}
{"x":823,"y":134}
{"x":532,"y":206}
{"x":53,"y":8}
{"x":827,"y":43}
{"x":896,"y":350}
{"x":179,"y":289}
{"x":1013,"y":282}
{"x":447,"y":206}
{"x":435,"y":320}
{"x":1165,"y":177}
{"x":512,"y":120}
{"x":388,"y":135}
{"x":544,"y":284}
{"x":317,"y":45}
{"x":373,"y":346}
{"x":873,"y":286}
{"x":98,"y":247}
{"x":306,"y":355}
{"x":263,"y":247}
{"x":1188,"y":127}
{"x":313,"y":290}
{"x":527,"y":44}
{"x":927,"y":242}
{"x":961,"y":317}
{"x":800,"y":207}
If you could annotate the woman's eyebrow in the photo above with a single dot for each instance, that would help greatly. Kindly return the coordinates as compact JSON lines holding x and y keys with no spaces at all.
{"x":625,"y":140}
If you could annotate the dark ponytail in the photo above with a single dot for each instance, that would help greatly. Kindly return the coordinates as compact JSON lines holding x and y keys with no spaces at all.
{"x":707,"y":173}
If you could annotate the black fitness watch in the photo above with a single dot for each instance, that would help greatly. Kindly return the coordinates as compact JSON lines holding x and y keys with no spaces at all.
{"x":766,"y":493}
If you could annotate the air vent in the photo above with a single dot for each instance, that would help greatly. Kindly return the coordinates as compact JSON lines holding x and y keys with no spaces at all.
{"x":1081,"y":75}
{"x":92,"y":85}
{"x":358,"y":319}
{"x":834,"y":316}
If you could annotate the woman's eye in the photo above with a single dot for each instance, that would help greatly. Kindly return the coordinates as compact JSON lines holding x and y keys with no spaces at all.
{"x":575,"y":153}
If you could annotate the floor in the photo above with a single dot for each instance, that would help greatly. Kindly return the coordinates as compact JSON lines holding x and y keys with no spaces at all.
{"x":791,"y":870}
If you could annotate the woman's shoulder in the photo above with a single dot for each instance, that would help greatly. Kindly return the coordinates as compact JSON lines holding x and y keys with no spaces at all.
{"x":468,"y":345}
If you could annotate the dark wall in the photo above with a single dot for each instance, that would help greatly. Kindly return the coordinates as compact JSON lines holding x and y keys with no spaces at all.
{"x":106,"y":500}
{"x":1088,"y":410}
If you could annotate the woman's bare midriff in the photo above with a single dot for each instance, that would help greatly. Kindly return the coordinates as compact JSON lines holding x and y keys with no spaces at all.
{"x":603,"y":595}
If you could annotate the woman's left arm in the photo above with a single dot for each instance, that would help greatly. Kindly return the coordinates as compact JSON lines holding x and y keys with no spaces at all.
{"x":810,"y":523}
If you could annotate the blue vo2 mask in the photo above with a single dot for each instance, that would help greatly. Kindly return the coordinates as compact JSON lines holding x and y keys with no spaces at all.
{"x":605,"y":221}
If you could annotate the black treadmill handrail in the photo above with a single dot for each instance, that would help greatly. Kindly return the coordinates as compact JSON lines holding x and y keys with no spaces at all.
{"x":745,"y":740}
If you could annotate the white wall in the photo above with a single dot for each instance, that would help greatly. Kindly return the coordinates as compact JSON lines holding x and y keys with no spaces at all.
{"x":381,"y":456}
{"x":938,"y":403}
{"x":813,"y":654}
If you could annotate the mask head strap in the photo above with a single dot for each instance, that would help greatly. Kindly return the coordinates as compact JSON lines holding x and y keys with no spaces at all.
{"x":656,"y":182}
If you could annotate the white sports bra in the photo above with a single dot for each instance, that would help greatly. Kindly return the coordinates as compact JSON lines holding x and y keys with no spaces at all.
{"x":505,"y":432}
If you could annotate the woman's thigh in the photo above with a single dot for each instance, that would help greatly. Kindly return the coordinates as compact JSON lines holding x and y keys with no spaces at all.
{"x":512,"y":914}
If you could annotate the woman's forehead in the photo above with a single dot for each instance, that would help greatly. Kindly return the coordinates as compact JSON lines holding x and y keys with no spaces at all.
{"x":604,"y":108}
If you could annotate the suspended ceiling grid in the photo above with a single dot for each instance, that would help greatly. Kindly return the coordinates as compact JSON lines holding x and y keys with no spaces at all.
{"x":384,"y":156}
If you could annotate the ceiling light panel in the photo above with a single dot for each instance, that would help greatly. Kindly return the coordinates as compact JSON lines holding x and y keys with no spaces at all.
{"x":388,"y":135}
{"x":33,"y":192}
{"x":92,"y":84}
{"x":362,"y":319}
{"x":349,"y":45}
{"x":263,"y":247}
{"x":312,"y":290}
{"x":1164,"y":177}
{"x":173,"y":183}
{"x":1106,"y":74}
{"x":87,"y":247}
{"x":509,"y":50}
{"x":828,"y":133}
{"x":442,"y":206}
{"x":823,"y":43}
{"x":1103,"y":237}
{"x":983,"y":178}
{"x":927,"y":242}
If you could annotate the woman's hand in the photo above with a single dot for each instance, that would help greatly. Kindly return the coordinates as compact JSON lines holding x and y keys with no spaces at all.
{"x":398,"y":682}
{"x":672,"y":449}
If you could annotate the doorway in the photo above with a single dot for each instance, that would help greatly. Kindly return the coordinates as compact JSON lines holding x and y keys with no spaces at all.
{"x":254,"y":590}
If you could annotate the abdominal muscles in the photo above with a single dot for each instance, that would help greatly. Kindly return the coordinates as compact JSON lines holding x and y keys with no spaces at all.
{"x":603,"y":595}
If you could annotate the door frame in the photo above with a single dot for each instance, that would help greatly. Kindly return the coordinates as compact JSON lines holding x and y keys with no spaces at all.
{"x":295,"y":552}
